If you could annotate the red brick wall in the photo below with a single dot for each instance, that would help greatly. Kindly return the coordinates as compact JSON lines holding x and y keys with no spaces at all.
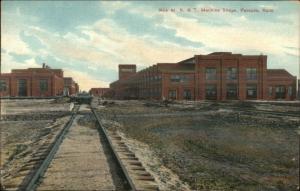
{"x":145,"y":84}
{"x":70,"y":85}
{"x":58,"y":84}
{"x":33,"y":77}
{"x":168,"y":85}
{"x":98,"y":91}
{"x":280,"y":78}
{"x":7,"y":79}
{"x":221,"y":63}
{"x":126,"y":71}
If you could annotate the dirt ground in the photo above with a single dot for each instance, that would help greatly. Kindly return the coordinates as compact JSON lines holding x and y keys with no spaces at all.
{"x":215,"y":146}
{"x":25,"y":126}
{"x":80,"y":163}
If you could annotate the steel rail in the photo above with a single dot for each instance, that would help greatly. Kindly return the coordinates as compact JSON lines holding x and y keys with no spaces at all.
{"x":30,"y":97}
{"x":289,"y":114}
{"x":102,"y":129}
{"x":30,"y":185}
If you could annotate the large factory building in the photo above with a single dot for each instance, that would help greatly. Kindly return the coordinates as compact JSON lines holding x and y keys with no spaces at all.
{"x":99,"y":92}
{"x":216,"y":76}
{"x":35,"y":82}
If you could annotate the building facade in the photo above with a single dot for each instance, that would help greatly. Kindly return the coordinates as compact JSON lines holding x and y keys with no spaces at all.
{"x":32,"y":82}
{"x":70,"y":86}
{"x":99,"y":92}
{"x":216,"y":76}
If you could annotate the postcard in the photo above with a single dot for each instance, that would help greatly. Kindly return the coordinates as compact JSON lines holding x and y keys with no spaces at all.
{"x":150,"y":95}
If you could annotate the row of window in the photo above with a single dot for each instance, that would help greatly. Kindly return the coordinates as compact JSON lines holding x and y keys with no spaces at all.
{"x":22,"y":84}
{"x":155,"y":92}
{"x":251,"y":91}
{"x":231,"y":91}
{"x":280,"y":91}
{"x":179,"y":78}
{"x":3,"y":86}
{"x":152,"y":78}
{"x":231,"y":73}
{"x":211,"y":92}
{"x":211,"y":74}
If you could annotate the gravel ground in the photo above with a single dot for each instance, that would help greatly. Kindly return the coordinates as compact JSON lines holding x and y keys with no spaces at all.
{"x":31,"y":123}
{"x":212,"y":146}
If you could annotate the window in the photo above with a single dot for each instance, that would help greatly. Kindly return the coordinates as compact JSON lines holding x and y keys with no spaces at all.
{"x":290,"y":91}
{"x":175,"y":78}
{"x":187,"y":94}
{"x":3,"y":85}
{"x":43,"y":85}
{"x":179,"y":78}
{"x":251,"y":91}
{"x":210,"y":73}
{"x":280,"y":92}
{"x":270,"y":91}
{"x":184,"y":78}
{"x":251,"y":73}
{"x":211,"y":91}
{"x":22,"y":87}
{"x":232,"y":92}
{"x":172,"y":94}
{"x":231,"y":73}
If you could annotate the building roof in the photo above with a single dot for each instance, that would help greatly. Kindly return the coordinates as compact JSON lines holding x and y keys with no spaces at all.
{"x":175,"y":67}
{"x":99,"y":88}
{"x":278,"y":72}
{"x":220,"y":53}
{"x":127,"y":65}
{"x":188,"y":61}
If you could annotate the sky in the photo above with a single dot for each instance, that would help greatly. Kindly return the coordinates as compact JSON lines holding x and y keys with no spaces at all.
{"x":89,"y":39}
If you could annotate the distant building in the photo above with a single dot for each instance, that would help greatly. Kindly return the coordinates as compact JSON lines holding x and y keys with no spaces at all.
{"x":35,"y":82}
{"x":126,"y":71}
{"x":99,"y":92}
{"x":216,"y":76}
{"x":70,"y":86}
{"x":298,"y":89}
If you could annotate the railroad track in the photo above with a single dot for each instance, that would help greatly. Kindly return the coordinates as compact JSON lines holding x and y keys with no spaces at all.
{"x":107,"y":164}
{"x":268,"y":112}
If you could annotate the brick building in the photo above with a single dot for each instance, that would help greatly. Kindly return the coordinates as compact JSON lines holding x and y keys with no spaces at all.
{"x":216,"y":76}
{"x":99,"y":92}
{"x":32,"y":82}
{"x":298,"y":89}
{"x":70,"y":86}
{"x":126,"y":71}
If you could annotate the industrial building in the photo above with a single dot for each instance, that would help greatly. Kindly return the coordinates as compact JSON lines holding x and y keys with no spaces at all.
{"x":70,"y":86}
{"x":216,"y":76}
{"x":35,"y":82}
{"x":298,"y":89}
{"x":99,"y":92}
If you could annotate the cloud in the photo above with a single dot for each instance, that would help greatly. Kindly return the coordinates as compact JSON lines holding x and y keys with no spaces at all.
{"x":89,"y":49}
{"x":86,"y":82}
{"x":127,"y":48}
{"x":111,"y":7}
{"x":11,"y":41}
{"x":247,"y":36}
{"x":108,"y":45}
{"x":12,"y":24}
{"x":8,"y":62}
